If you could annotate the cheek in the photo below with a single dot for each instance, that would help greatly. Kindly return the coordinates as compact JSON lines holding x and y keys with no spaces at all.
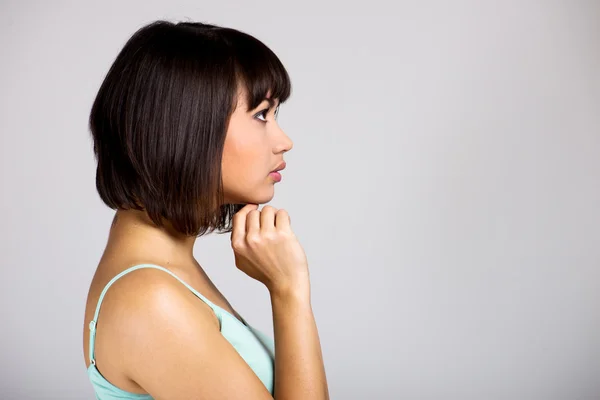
{"x":241,"y":156}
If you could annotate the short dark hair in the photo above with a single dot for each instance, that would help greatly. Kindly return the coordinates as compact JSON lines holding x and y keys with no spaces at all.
{"x":160,"y":119}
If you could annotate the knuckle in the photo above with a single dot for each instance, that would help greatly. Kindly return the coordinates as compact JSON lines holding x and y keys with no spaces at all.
{"x":253,"y":240}
{"x":237,"y":244}
{"x":271,"y":236}
{"x":285,"y":234}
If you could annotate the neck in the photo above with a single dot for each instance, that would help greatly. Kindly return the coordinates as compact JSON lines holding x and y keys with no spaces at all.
{"x":134,"y":232}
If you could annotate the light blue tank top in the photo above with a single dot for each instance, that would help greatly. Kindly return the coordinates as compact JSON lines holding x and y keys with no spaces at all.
{"x":256,"y":348}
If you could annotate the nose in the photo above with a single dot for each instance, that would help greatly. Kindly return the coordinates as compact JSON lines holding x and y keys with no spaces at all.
{"x":284,"y":142}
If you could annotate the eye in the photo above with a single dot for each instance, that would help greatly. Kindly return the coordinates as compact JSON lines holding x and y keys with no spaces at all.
{"x":262,"y":113}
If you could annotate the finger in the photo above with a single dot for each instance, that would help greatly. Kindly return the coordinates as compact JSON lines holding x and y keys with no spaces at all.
{"x":267,"y":219}
{"x":238,"y":233}
{"x":283,"y":220}
{"x":253,"y":223}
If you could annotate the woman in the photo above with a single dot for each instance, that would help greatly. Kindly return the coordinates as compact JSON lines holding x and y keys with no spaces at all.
{"x":186,"y":140}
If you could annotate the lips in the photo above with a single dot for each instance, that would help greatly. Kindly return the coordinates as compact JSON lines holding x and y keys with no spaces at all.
{"x":280,"y":167}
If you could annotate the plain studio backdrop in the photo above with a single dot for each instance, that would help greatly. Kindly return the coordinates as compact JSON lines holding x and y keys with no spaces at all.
{"x":444,"y":182}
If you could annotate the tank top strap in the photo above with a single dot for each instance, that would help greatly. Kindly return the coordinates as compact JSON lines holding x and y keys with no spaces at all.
{"x":94,"y":322}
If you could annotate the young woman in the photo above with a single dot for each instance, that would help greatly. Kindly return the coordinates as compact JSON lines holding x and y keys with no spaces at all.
{"x":187,"y":143}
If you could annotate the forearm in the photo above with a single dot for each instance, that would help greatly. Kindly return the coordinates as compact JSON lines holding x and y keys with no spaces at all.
{"x":299,"y":368}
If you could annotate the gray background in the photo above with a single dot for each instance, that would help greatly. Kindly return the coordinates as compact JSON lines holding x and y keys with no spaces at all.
{"x":445,"y":184}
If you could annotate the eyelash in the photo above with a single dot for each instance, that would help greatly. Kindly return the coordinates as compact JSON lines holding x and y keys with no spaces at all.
{"x":266,"y":110}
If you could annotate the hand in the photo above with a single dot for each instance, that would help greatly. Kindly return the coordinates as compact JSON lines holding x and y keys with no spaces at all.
{"x":267,"y":250}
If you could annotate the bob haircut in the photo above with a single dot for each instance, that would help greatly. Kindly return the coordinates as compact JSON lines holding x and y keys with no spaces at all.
{"x":160,"y":119}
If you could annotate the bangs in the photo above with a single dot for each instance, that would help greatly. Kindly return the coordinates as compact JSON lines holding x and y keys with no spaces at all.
{"x":258,"y":69}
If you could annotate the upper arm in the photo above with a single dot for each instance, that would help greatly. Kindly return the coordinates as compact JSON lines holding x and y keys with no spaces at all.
{"x":174,"y":349}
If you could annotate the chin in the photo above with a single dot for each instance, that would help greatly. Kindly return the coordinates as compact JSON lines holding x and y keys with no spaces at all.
{"x":262,"y":195}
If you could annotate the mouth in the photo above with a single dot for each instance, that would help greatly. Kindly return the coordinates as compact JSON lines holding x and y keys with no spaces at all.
{"x":280,"y":167}
{"x":276,"y":176}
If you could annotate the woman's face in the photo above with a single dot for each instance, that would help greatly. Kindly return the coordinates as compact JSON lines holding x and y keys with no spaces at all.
{"x":254,"y":146}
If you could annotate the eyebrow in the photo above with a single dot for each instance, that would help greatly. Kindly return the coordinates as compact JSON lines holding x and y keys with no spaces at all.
{"x":271,"y":102}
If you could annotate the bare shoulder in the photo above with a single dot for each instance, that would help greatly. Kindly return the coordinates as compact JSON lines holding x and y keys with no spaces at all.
{"x":131,"y":306}
{"x":147,"y":293}
{"x":167,"y":342}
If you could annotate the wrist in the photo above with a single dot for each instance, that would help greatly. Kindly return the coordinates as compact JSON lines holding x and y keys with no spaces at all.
{"x":290,"y":293}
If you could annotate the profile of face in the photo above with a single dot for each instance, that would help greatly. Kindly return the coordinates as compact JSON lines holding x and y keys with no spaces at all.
{"x":254,"y":146}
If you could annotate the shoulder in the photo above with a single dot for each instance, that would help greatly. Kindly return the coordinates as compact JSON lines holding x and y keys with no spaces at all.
{"x":144,"y":295}
{"x":168,"y":341}
{"x":141,"y":309}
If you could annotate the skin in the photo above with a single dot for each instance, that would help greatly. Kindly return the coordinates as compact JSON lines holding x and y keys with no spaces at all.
{"x":253,"y":148}
{"x":149,"y":307}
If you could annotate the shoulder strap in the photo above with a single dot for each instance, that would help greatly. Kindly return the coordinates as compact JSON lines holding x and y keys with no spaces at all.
{"x":93,"y":322}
